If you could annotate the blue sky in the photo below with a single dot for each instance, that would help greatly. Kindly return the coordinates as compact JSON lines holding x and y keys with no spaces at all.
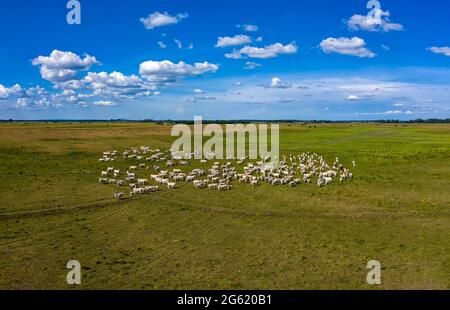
{"x":229,"y":59}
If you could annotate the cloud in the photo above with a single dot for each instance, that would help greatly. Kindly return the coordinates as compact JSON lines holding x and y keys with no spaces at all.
{"x":6,"y":92}
{"x":353,"y":98}
{"x":248,"y":27}
{"x":287,"y":100}
{"x":277,"y":83}
{"x":178,"y":43}
{"x":234,"y":55}
{"x":63,"y":66}
{"x":233,"y":41}
{"x":118,"y":85}
{"x":103,"y":86}
{"x":158,"y":19}
{"x":31,"y":103}
{"x":103,"y":103}
{"x":440,"y":50}
{"x":198,"y":91}
{"x":33,"y":97}
{"x":162,"y":44}
{"x":205,"y":98}
{"x":249,"y":65}
{"x":259,"y":39}
{"x":372,"y":90}
{"x":166,"y":71}
{"x":361,"y":22}
{"x":269,"y":51}
{"x":18,"y":97}
{"x":71,"y":84}
{"x":72,"y":97}
{"x":390,"y":112}
{"x":201,"y":98}
{"x":346,"y":46}
{"x":115,"y":79}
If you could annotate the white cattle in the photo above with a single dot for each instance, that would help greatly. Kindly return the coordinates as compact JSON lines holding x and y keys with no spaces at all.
{"x":142,"y":181}
{"x":139,"y":190}
{"x":199,"y":184}
{"x":180,"y":177}
{"x":213,"y":186}
{"x":291,"y":170}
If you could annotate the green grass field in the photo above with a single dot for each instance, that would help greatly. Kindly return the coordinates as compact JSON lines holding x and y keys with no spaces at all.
{"x":396,"y":210}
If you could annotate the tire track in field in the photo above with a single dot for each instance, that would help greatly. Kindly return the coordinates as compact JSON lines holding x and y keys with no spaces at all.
{"x":59,"y":231}
{"x":57,"y":211}
{"x":49,"y":212}
{"x":161,"y":251}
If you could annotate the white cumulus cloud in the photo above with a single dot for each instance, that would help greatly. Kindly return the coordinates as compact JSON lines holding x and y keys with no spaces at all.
{"x":158,"y":19}
{"x":6,"y":92}
{"x":347,"y":46}
{"x":167,"y":71}
{"x":63,"y":66}
{"x":440,"y":50}
{"x":234,"y":55}
{"x":277,"y":83}
{"x":361,"y":22}
{"x":118,"y":85}
{"x":250,"y":65}
{"x":248,"y":27}
{"x":269,"y":51}
{"x":239,"y":39}
{"x":353,"y":98}
{"x":103,"y":103}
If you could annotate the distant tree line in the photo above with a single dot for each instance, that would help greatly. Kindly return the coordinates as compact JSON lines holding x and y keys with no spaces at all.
{"x":243,"y":121}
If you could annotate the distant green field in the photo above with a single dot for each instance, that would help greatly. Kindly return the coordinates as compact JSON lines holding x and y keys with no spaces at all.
{"x":396,"y":210}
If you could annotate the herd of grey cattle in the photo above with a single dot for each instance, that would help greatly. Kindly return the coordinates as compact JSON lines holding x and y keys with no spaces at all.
{"x":150,"y":170}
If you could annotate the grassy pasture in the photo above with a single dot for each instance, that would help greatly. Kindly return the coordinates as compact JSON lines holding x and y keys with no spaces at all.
{"x":397,"y":210}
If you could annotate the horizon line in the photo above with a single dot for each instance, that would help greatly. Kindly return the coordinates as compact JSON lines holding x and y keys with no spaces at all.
{"x":429,"y":120}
